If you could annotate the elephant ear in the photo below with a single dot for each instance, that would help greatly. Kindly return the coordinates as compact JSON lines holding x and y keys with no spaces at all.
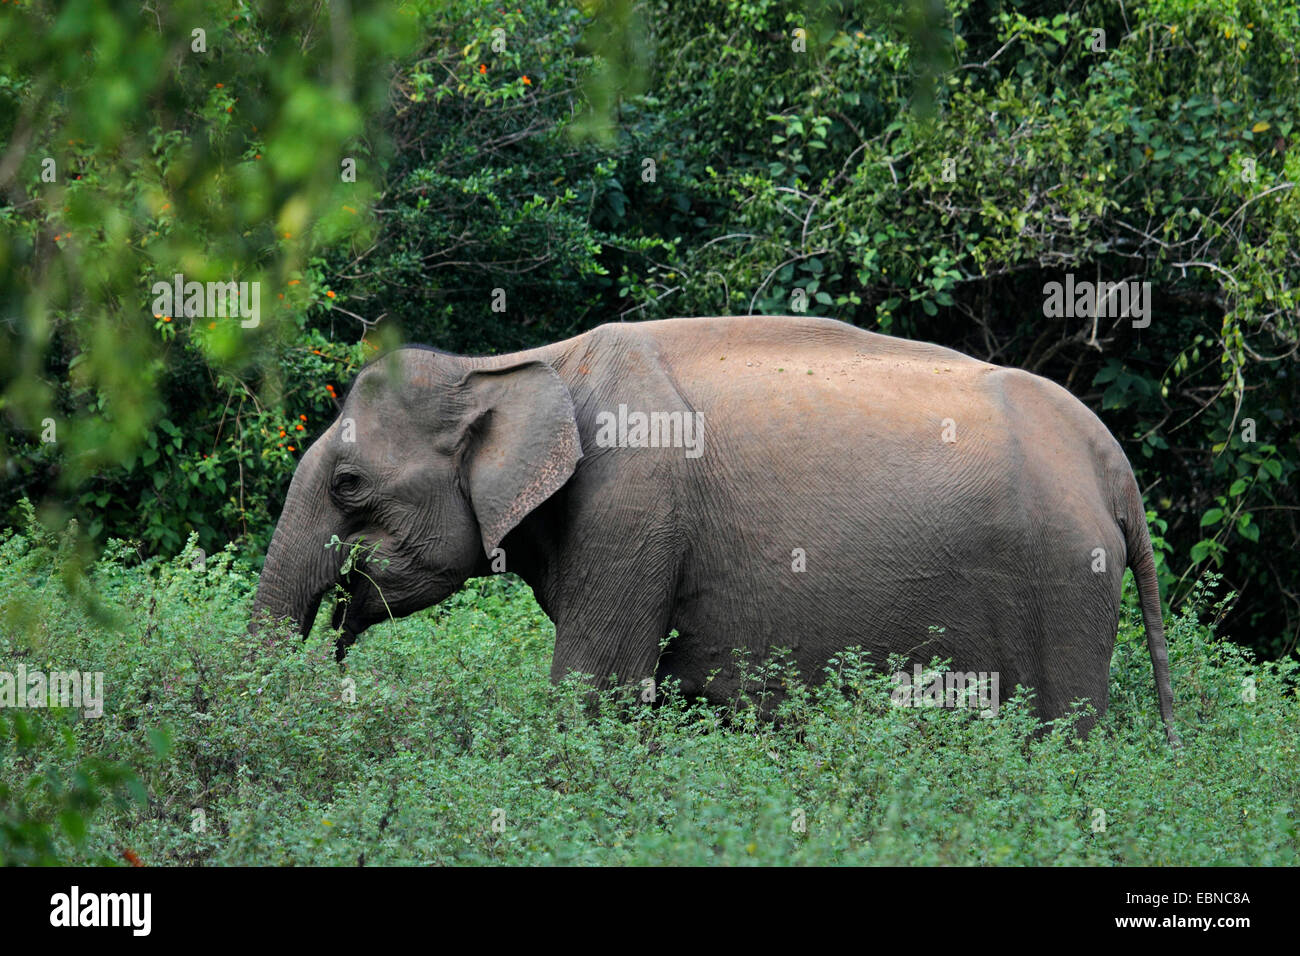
{"x":523,"y":444}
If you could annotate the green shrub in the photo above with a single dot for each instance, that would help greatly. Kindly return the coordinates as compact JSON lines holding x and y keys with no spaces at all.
{"x":457,"y":749}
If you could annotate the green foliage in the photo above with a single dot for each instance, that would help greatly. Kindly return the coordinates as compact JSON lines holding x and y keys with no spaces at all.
{"x":50,"y":790}
{"x":208,"y":140}
{"x":498,"y":230}
{"x":49,"y":793}
{"x":443,"y":742}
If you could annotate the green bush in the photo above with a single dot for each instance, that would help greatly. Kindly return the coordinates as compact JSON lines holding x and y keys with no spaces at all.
{"x":209,"y":140}
{"x":457,"y":748}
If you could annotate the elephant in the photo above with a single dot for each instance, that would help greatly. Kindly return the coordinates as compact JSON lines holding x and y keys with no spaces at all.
{"x":750,"y":482}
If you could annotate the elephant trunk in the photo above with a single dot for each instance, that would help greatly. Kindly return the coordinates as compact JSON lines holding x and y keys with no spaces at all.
{"x":299,"y":567}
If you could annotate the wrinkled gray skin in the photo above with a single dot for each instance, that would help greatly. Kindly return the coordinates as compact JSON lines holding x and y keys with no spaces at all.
{"x":817,"y":436}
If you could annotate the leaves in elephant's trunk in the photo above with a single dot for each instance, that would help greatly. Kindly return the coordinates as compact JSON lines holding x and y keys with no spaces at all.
{"x":342,"y":599}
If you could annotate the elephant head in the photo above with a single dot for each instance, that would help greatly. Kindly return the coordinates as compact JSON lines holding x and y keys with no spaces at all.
{"x":432,"y":460}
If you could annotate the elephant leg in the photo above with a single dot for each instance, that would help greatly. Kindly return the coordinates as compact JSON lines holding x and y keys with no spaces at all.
{"x":623,"y":652}
{"x":1078,"y":640}
{"x":1057,"y":697}
{"x":616,"y":630}
{"x":1075,"y":667}
{"x":613,"y":585}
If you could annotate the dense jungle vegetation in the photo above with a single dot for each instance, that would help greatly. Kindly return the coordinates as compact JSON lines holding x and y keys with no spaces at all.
{"x":484,"y":177}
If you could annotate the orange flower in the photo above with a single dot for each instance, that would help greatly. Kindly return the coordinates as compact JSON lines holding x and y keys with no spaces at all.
{"x":315,"y":351}
{"x":292,"y":281}
{"x":167,"y":318}
{"x":330,"y":294}
{"x":282,"y":433}
{"x":299,"y":427}
{"x":291,"y":448}
{"x":527,"y":81}
{"x":220,"y":85}
{"x":482,"y":67}
{"x":230,"y":109}
{"x":302,"y":417}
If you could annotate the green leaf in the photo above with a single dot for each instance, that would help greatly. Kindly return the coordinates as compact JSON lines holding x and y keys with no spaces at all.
{"x":160,"y":740}
{"x":1212,"y":517}
{"x":73,"y":824}
{"x":1107,"y":373}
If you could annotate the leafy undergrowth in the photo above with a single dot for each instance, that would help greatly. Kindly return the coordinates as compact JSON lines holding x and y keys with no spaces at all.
{"x":442,"y":741}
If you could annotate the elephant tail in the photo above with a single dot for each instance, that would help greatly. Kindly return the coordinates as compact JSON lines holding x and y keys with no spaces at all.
{"x":1141,"y":558}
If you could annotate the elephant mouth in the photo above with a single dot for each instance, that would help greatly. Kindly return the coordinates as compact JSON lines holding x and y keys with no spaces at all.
{"x":339,"y":617}
{"x":364,"y":604}
{"x":348,"y":618}
{"x":358,"y":608}
{"x":346,"y":623}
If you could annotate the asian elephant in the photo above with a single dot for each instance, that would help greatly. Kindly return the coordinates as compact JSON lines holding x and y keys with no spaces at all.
{"x":751,"y":482}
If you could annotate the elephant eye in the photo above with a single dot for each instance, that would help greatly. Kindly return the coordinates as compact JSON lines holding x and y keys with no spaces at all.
{"x":346,"y":484}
